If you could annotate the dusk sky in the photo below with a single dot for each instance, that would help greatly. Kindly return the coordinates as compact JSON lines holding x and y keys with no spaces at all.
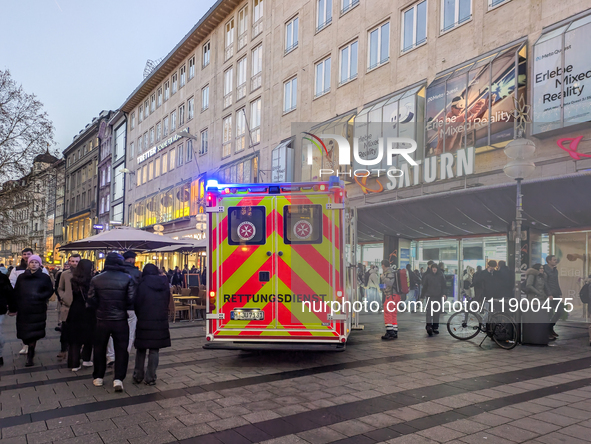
{"x":82,"y":57}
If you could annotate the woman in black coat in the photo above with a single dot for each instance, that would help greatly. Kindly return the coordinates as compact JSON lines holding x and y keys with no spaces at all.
{"x":32,"y":291}
{"x":81,"y":320}
{"x":151,"y":308}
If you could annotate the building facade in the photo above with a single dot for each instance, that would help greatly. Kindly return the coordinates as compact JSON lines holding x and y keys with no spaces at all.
{"x":82,"y":179}
{"x":118,"y":125}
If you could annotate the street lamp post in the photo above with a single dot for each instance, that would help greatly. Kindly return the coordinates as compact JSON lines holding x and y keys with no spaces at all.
{"x":520,"y":167}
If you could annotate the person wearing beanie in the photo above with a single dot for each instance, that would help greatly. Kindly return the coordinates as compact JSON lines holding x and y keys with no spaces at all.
{"x":14,"y":274}
{"x":129,"y":263}
{"x":32,"y":291}
{"x":111,"y":294}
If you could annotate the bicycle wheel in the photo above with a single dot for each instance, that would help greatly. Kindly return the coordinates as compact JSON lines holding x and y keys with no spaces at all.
{"x":503,"y":331}
{"x":464,"y":325}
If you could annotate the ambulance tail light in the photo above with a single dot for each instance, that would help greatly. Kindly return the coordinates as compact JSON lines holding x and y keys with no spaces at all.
{"x":211,"y":200}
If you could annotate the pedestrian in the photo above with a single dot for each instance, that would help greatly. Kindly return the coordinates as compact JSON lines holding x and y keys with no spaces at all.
{"x":177,"y":277}
{"x":32,"y":291}
{"x":6,"y":297}
{"x":81,"y":321}
{"x":151,"y":307}
{"x":555,"y":295}
{"x":111,"y":294}
{"x":413,"y":284}
{"x":477,"y":284}
{"x":64,"y":294}
{"x":373,"y":285}
{"x":433,"y":290}
{"x":536,"y":284}
{"x":467,"y":286}
{"x":491,"y":282}
{"x":14,"y":274}
{"x":3,"y":270}
{"x":507,"y":281}
{"x":204,"y":276}
{"x":390,"y":299}
{"x":129,"y":263}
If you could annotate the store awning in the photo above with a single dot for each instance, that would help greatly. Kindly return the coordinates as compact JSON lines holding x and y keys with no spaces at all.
{"x":548,"y":203}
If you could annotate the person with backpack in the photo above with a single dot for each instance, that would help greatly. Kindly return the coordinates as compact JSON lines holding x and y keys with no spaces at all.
{"x":389,"y":286}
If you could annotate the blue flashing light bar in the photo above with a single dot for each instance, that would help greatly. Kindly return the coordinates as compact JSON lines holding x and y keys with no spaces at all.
{"x":212,"y":183}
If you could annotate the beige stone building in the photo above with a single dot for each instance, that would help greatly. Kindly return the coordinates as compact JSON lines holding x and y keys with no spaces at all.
{"x":230,"y":101}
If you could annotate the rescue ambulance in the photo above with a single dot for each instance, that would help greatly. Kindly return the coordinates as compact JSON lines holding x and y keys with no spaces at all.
{"x":277,"y":260}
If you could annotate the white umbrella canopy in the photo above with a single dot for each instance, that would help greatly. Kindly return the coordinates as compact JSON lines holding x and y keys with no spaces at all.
{"x":190,"y":246}
{"x":123,"y":238}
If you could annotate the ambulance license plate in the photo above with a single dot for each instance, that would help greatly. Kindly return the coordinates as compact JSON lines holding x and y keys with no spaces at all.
{"x":247,"y":314}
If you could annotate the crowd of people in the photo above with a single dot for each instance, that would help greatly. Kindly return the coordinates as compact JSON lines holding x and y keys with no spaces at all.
{"x":495,"y":281}
{"x":101,"y":315}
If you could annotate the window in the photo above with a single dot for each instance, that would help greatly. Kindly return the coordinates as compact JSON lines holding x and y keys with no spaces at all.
{"x":494,"y":3}
{"x":166,"y":90}
{"x":322,"y":77}
{"x":157,"y":168}
{"x":164,"y":163}
{"x":241,"y":79}
{"x":348,"y":4}
{"x":159,"y":98}
{"x":165,"y":132}
{"x":323,"y":13}
{"x":139,"y":145}
{"x":138,"y":177}
{"x":189,"y":150}
{"x":302,"y":224}
{"x":348,"y":63}
{"x":146,"y":141}
{"x":291,"y":35}
{"x":227,"y":136}
{"x":133,"y":120}
{"x":171,"y":159}
{"x":257,"y":68}
{"x":228,"y":74}
{"x":414,"y":26}
{"x":103,"y":178}
{"x":140,"y":113}
{"x":144,"y":174}
{"x":153,"y":103}
{"x":206,"y":53}
{"x":242,"y":27}
{"x":146,"y":110}
{"x":183,"y":72}
{"x":255,"y":121}
{"x":191,"y":108}
{"x":229,"y":52}
{"x":181,"y":115}
{"x":172,"y":121}
{"x":151,"y":170}
{"x":174,"y":82}
{"x":257,"y":18}
{"x":455,"y":12}
{"x":246,"y":225}
{"x":290,"y":92}
{"x":240,"y":130}
{"x":379,"y":46}
{"x":158,"y":131}
{"x":179,"y":155}
{"x":204,"y":142}
{"x":205,"y":98}
{"x":151,"y":136}
{"x":131,"y":150}
{"x":119,"y":149}
{"x":191,"y":67}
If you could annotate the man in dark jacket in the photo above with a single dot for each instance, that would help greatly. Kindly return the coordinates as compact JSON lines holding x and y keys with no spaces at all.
{"x":433,"y":290}
{"x":507,"y":280}
{"x":111,"y":294}
{"x":555,"y":295}
{"x":491,"y":283}
{"x":477,"y":283}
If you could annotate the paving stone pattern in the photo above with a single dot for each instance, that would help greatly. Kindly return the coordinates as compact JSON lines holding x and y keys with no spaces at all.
{"x":412,"y":390}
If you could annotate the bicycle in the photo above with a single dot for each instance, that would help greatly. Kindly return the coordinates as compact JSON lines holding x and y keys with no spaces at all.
{"x":465,"y":325}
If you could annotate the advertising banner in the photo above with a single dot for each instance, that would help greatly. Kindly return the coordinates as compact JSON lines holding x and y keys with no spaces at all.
{"x":562,"y":77}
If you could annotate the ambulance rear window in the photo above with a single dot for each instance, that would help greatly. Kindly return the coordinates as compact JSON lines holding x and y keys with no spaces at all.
{"x":246,"y":226}
{"x":302,"y":224}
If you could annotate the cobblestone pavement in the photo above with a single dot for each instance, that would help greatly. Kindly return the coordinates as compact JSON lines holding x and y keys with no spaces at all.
{"x":413,"y":390}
